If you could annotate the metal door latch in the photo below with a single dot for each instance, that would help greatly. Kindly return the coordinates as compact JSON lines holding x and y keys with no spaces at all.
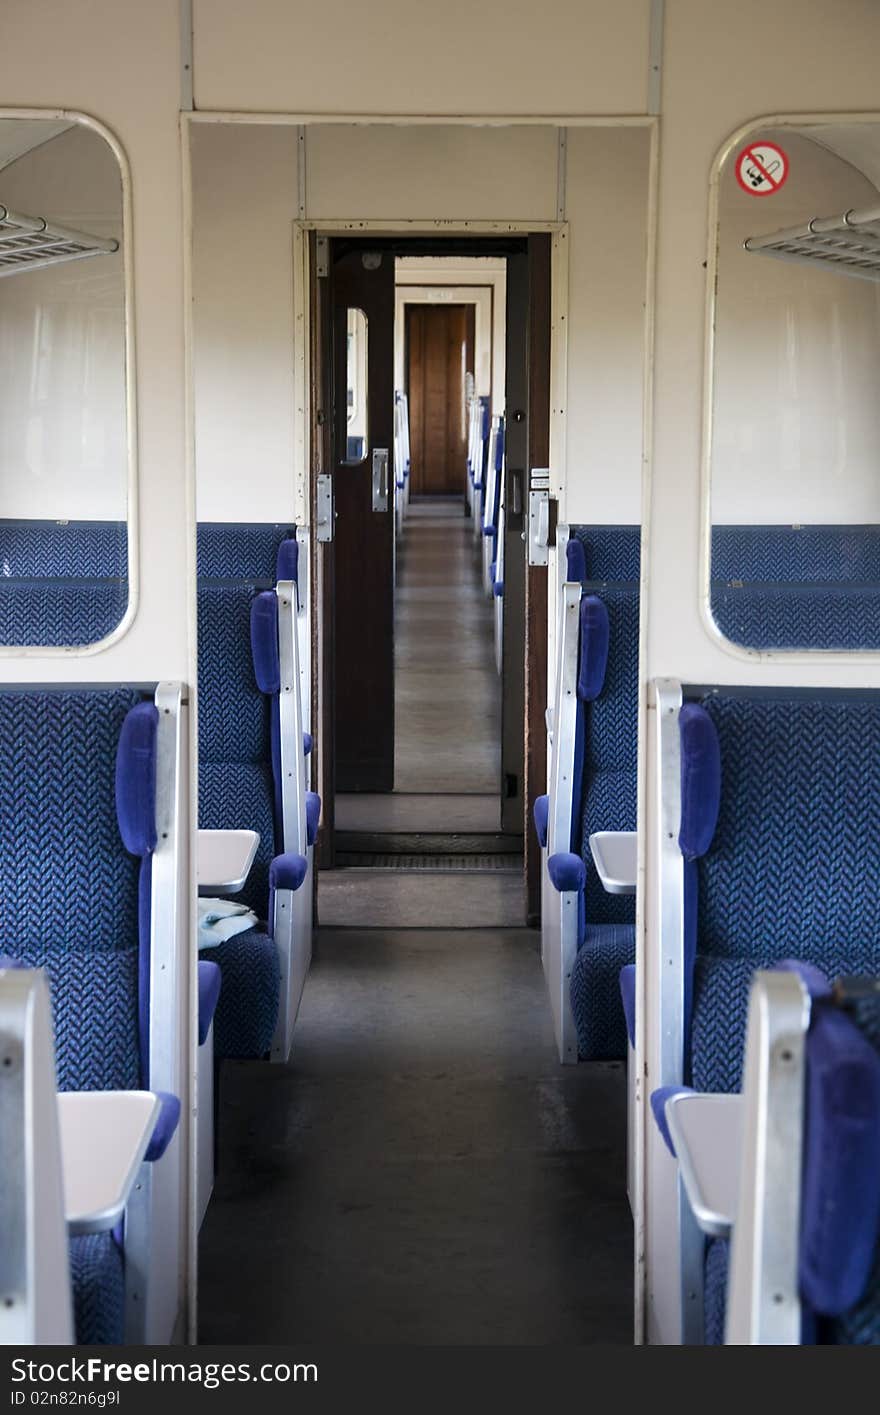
{"x":539,"y":516}
{"x":324,"y":508}
{"x":380,"y":478}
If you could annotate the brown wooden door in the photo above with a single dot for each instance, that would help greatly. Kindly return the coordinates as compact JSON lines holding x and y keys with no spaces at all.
{"x":362,"y":382}
{"x":440,"y":351}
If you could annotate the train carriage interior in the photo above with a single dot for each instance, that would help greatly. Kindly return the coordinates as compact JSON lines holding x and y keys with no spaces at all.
{"x":439,"y":676}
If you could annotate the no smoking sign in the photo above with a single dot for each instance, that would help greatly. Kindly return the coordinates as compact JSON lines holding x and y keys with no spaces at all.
{"x":761,"y":169}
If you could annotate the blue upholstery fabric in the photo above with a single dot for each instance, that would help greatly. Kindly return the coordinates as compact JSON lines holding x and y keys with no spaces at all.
{"x":715,"y":1290}
{"x":210,"y":979}
{"x":797,"y":586}
{"x":820,"y":616}
{"x":796,"y":553}
{"x":628,"y":999}
{"x":287,"y":561}
{"x":609,"y":772}
{"x":45,"y":549}
{"x":611,"y":552}
{"x":700,"y":780}
{"x":234,"y":551}
{"x":60,"y":612}
{"x":592,"y":648}
{"x":794,"y":866}
{"x":541,"y":813}
{"x":247,"y":1011}
{"x":68,"y":885}
{"x":236,"y":784}
{"x":840,"y":1203}
{"x":136,"y":779}
{"x":606,"y":559}
{"x":165,"y":1128}
{"x":659,"y":1100}
{"x":575,"y":560}
{"x":313,"y":816}
{"x":98,"y":1278}
{"x":567,"y":872}
{"x":286,"y":871}
{"x":264,"y":642}
{"x":595,"y":991}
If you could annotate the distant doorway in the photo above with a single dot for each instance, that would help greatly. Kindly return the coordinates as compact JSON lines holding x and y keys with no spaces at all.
{"x":440,"y":355}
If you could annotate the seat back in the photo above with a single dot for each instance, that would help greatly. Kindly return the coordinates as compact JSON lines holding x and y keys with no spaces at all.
{"x":236,"y":780}
{"x":606,"y":753}
{"x":241,"y":551}
{"x":797,"y":586}
{"x":809,"y":1271}
{"x":792,"y":866}
{"x":62,"y":583}
{"x":75,"y":901}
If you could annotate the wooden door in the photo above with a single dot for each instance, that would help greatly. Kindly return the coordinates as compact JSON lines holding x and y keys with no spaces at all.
{"x":362,"y":384}
{"x":440,"y":352}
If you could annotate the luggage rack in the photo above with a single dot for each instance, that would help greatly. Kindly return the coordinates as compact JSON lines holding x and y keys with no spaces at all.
{"x":849,"y":243}
{"x":31,"y":242}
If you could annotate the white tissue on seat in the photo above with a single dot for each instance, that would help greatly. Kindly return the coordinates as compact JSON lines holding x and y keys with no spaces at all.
{"x":220,"y":919}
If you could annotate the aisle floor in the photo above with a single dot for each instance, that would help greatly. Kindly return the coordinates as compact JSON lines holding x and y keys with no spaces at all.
{"x":424,"y":1171}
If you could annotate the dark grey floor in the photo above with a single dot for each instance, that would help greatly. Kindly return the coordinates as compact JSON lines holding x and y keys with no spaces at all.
{"x":423,"y":1171}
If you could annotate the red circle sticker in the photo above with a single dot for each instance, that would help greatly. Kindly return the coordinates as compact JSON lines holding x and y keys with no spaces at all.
{"x":761,"y":168}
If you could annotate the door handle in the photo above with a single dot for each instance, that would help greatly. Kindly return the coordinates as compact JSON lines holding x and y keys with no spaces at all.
{"x":380,"y":478}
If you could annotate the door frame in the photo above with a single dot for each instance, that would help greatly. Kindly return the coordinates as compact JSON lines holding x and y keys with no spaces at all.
{"x":308,"y":436}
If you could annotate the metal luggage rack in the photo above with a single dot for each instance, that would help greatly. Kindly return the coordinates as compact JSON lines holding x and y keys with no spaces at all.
{"x":31,"y":242}
{"x":849,"y":243}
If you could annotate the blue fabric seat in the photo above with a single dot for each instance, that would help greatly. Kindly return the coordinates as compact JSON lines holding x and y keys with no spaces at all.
{"x":97,"y":1270}
{"x":74,"y":879}
{"x":62,"y":583}
{"x":64,"y":612}
{"x":234,"y":551}
{"x":606,"y":560}
{"x":792,"y":866}
{"x":797,"y":586}
{"x":781,"y":837}
{"x":237,"y":790}
{"x":31,"y":549}
{"x":839,"y":1239}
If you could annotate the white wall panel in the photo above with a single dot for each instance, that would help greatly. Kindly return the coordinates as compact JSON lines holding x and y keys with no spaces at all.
{"x":501,"y":56}
{"x":244,"y":206}
{"x":437,"y":173}
{"x":607,"y":207}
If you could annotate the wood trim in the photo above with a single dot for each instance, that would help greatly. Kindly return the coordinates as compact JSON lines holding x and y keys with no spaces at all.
{"x":536,"y":576}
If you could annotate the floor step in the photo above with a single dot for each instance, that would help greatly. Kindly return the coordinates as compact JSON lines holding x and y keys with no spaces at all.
{"x":436,"y":863}
{"x":423,"y":842}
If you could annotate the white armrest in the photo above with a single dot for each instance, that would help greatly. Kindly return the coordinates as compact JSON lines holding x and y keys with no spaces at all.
{"x":224,"y":860}
{"x":706,"y":1131}
{"x":615,"y":855}
{"x":104,"y":1137}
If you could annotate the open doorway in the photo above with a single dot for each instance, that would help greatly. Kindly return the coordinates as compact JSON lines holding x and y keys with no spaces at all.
{"x":425,"y":579}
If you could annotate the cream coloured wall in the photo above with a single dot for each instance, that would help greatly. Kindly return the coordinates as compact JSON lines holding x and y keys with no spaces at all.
{"x":498,"y":57}
{"x":244,"y":206}
{"x":607,"y":208}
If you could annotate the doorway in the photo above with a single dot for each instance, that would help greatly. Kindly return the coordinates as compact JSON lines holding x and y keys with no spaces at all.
{"x":439,"y":341}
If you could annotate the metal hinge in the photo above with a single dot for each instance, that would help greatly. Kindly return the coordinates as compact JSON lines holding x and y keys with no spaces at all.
{"x":322,"y":256}
{"x":539,"y":516}
{"x":324,"y":514}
